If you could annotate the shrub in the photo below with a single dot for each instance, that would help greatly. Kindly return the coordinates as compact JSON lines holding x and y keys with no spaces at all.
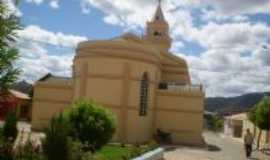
{"x":92,"y":124}
{"x":215,"y":123}
{"x":78,"y":153}
{"x":28,"y":151}
{"x":56,"y":144}
{"x":10,"y":130}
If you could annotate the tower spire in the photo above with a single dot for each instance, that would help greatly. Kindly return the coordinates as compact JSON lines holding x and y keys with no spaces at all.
{"x":157,"y":31}
{"x":159,"y":16}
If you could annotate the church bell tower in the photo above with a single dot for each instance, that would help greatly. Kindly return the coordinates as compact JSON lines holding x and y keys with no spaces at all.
{"x":157,"y":31}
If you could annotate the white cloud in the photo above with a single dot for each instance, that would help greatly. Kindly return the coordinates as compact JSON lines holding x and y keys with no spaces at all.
{"x":176,"y":45}
{"x":37,"y":2}
{"x":37,"y":60}
{"x":226,"y":72}
{"x":240,"y":6}
{"x":54,"y":4}
{"x":213,"y":15}
{"x":37,"y":34}
{"x":230,"y":35}
{"x":263,"y":54}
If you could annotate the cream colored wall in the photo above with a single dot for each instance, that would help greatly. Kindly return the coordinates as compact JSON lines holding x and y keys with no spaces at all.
{"x":139,"y":128}
{"x":116,"y":85}
{"x":174,"y":69}
{"x":49,"y":99}
{"x":181,"y":115}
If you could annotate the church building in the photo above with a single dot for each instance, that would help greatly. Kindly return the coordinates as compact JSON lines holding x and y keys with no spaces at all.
{"x":138,"y":79}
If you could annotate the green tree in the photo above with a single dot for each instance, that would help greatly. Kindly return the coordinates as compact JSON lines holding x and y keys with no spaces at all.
{"x":93,"y":125}
{"x":56,"y":144}
{"x":260,"y":116}
{"x":252,"y":115}
{"x":9,"y":24}
{"x":215,"y":123}
{"x":10,"y":130}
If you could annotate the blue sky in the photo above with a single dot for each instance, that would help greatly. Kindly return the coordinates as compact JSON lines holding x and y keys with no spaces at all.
{"x":226,"y":43}
{"x":68,"y":19}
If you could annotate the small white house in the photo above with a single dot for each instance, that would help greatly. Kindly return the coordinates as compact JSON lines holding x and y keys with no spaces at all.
{"x":234,"y":124}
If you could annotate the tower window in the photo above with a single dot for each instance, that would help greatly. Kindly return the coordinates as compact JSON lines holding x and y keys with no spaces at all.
{"x":157,"y":17}
{"x":144,"y":95}
{"x":156,"y":33}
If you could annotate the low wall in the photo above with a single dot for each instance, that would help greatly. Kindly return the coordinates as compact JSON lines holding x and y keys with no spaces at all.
{"x":181,"y":114}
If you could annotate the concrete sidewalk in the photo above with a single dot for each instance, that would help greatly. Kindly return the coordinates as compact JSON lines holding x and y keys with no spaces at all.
{"x":219,"y":148}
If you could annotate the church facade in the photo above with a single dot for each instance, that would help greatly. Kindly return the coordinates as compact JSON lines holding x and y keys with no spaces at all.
{"x":137,"y":78}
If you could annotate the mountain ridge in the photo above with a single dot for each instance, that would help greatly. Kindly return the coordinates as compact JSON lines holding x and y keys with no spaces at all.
{"x":231,"y":105}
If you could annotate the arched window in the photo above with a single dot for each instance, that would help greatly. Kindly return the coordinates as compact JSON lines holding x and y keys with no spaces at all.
{"x":144,"y":95}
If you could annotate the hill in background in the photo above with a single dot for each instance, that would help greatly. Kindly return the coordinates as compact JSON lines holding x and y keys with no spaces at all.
{"x":230,"y":105}
{"x":23,"y":86}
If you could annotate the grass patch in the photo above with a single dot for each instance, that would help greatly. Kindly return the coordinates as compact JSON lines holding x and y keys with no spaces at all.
{"x":113,"y":152}
{"x":118,"y":152}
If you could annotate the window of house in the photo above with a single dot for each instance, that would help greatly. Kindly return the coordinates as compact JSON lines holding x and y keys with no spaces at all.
{"x":144,"y":95}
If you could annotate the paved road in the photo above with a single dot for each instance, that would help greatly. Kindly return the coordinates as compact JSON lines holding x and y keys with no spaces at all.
{"x":220,"y":148}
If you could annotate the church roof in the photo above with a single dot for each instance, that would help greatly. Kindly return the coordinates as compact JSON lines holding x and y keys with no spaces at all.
{"x":51,"y":76}
{"x":19,"y":94}
{"x":129,"y":37}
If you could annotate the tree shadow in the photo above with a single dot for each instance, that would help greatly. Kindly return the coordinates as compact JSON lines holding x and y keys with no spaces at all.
{"x":213,"y":148}
{"x":171,"y":148}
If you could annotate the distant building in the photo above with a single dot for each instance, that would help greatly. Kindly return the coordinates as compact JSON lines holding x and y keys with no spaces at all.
{"x":17,"y":102}
{"x":138,"y":79}
{"x":236,"y":125}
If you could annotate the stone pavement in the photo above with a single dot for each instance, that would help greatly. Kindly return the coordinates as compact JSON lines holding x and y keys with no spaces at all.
{"x":220,"y":148}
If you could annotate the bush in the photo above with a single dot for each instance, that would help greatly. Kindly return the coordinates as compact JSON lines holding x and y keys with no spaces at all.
{"x":28,"y":152}
{"x":215,"y":123}
{"x":92,"y":124}
{"x":56,"y":144}
{"x":78,"y":153}
{"x":10,"y":130}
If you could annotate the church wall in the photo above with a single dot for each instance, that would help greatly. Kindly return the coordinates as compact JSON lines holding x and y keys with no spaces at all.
{"x":116,"y":86}
{"x":140,"y":127}
{"x":174,"y":69}
{"x":49,"y":99}
{"x":181,"y":115}
{"x":107,"y":91}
